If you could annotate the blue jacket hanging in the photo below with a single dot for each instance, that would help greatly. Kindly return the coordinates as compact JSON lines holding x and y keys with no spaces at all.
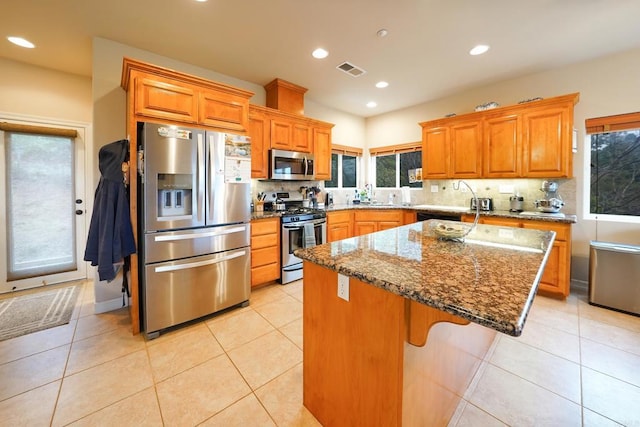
{"x":110,"y":237}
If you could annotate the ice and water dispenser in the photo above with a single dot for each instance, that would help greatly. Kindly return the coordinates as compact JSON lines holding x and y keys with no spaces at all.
{"x":174,"y":195}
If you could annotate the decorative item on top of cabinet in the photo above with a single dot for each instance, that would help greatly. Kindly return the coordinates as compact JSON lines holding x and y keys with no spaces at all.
{"x":265,"y":251}
{"x":556,"y":278}
{"x":162,"y":93}
{"x":531,"y":140}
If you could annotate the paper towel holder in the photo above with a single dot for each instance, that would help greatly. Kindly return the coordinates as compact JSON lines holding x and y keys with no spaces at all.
{"x":405,"y":196}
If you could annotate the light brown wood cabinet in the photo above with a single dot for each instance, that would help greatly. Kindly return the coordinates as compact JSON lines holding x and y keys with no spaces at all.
{"x":265,"y":251}
{"x":259,"y":130}
{"x":531,"y":140}
{"x":322,"y":150}
{"x":166,"y":96}
{"x":556,"y":279}
{"x":367,"y":221}
{"x":339,"y":225}
{"x":170,"y":96}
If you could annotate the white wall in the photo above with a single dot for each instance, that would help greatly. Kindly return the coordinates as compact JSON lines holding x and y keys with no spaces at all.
{"x":609,"y":85}
{"x":39,"y":92}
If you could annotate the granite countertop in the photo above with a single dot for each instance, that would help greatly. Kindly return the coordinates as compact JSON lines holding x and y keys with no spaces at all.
{"x":537,"y":216}
{"x":490,"y":279}
{"x":566,"y":218}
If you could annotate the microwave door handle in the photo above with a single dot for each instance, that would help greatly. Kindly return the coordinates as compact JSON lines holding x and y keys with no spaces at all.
{"x":200,"y":177}
{"x":306,"y":166}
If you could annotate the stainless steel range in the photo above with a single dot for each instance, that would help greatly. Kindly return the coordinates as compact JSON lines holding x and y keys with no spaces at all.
{"x":302,"y":227}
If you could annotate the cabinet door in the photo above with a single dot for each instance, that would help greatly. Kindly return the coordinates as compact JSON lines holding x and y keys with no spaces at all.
{"x":547,"y":142}
{"x":339,"y":232}
{"x":281,"y":133}
{"x":301,"y":137}
{"x":259,"y":128}
{"x":466,"y":150}
{"x":364,"y":227}
{"x":435,"y":152}
{"x":502,"y":150}
{"x":409,"y":217}
{"x":165,"y":99}
{"x":223,"y":111}
{"x":385,"y":225}
{"x":322,"y":152}
{"x":555,"y":279}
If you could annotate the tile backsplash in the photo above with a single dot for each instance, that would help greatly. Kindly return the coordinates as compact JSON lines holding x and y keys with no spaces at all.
{"x":446,"y":194}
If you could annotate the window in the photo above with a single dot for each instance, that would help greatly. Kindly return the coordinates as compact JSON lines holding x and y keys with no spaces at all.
{"x":615,"y":164}
{"x":344,"y":167}
{"x":398,"y":166}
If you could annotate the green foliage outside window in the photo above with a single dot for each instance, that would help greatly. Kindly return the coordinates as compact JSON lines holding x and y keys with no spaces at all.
{"x":615,"y":173}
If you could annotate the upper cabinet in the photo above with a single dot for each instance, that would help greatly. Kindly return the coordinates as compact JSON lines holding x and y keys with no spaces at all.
{"x":526,"y":140}
{"x":273,"y":129}
{"x":452,"y":150}
{"x":161,"y":93}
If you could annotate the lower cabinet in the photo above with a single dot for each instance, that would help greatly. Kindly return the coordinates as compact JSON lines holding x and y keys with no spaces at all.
{"x":339,"y":225}
{"x":265,"y":251}
{"x":556,"y":278}
{"x":367,"y":221}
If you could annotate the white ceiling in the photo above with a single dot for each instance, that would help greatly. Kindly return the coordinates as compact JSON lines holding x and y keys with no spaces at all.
{"x":424,"y":56}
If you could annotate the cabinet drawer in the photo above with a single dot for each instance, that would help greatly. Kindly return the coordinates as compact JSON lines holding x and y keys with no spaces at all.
{"x":265,"y":274}
{"x":338,"y":217}
{"x":265,"y":226}
{"x":264,"y":256}
{"x":379,"y":215}
{"x":264,"y":241}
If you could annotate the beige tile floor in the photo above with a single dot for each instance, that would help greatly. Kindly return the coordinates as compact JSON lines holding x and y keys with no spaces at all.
{"x":574,"y":365}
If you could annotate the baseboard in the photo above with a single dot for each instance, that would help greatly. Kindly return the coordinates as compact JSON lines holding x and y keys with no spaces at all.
{"x":110,"y":305}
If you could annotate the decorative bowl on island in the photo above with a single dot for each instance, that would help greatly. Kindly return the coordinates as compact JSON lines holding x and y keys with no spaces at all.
{"x":450,"y":230}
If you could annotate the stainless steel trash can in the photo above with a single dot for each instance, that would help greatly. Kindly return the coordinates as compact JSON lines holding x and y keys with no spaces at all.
{"x":614,"y":276}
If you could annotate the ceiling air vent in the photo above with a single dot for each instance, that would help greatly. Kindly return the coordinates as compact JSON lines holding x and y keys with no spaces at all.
{"x":351,"y":69}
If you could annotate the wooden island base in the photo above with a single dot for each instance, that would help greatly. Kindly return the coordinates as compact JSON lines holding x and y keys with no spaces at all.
{"x":360,"y":367}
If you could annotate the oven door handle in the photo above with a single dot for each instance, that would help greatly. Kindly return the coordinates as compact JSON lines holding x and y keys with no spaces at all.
{"x":294,"y":268}
{"x":301,"y":225}
{"x":170,"y":268}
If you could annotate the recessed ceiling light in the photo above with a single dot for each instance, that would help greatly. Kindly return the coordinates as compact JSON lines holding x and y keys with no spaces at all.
{"x":320,"y":53}
{"x":201,"y":1}
{"x":382,"y":84}
{"x":21,"y":42}
{"x":382,"y":32}
{"x":479,"y":49}
{"x":372,"y":104}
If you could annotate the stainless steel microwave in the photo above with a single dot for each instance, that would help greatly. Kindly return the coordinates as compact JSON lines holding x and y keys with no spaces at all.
{"x":291,"y":165}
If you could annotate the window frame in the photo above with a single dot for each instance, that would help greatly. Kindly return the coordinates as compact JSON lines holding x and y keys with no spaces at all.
{"x":341,"y":151}
{"x":396,"y":150}
{"x":599,"y":125}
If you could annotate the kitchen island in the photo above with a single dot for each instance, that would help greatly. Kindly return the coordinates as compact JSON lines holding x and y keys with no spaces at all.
{"x":413,"y":321}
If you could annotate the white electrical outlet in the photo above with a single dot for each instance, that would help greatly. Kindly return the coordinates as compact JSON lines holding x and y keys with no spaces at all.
{"x":505,"y":233}
{"x":343,"y":287}
{"x":434,"y":188}
{"x":506,"y":189}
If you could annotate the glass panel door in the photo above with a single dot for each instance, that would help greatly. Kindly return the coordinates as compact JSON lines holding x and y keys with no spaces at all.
{"x":44,"y":210}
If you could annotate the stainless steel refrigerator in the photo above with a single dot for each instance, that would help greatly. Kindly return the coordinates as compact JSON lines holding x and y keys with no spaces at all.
{"x":194,"y":221}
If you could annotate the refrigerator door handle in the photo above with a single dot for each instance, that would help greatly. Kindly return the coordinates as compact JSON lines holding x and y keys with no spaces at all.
{"x":212,"y":174}
{"x":200,"y":177}
{"x":169,"y":268}
{"x":200,"y":235}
